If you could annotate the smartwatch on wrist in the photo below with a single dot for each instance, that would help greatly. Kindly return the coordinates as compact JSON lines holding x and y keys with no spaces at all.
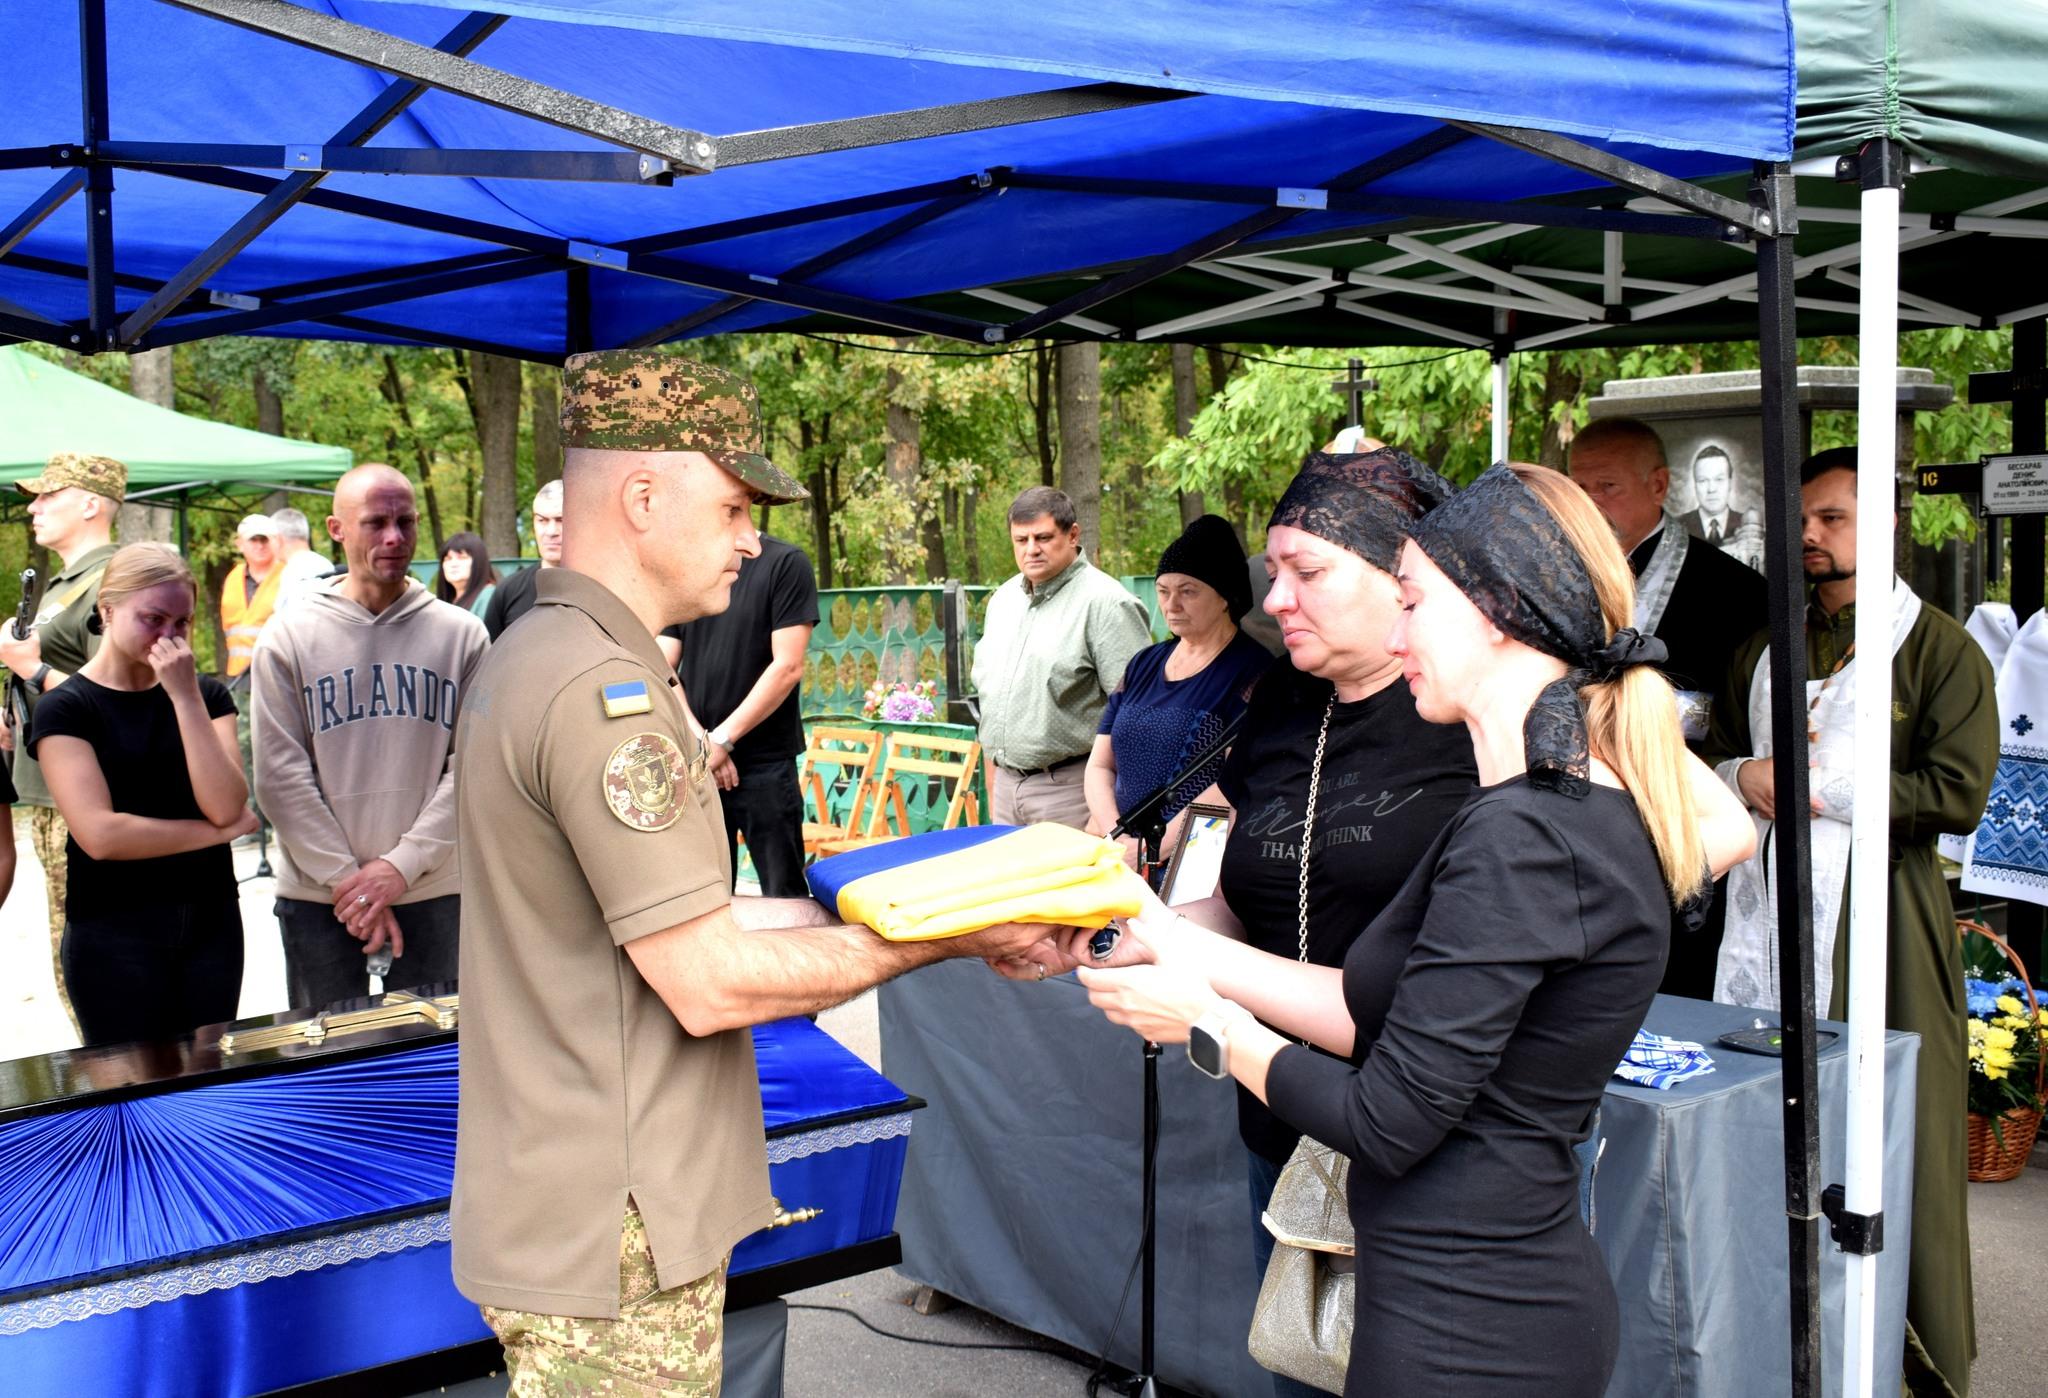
{"x":719,"y":736}
{"x":1209,"y":1039}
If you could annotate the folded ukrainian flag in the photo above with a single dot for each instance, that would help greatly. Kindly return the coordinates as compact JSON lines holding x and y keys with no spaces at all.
{"x":951,"y":882}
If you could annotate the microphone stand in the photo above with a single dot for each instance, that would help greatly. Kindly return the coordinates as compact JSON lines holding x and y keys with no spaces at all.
{"x":1147,"y":821}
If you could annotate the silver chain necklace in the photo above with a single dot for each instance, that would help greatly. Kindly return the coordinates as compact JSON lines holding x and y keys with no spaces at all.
{"x":1308,"y":823}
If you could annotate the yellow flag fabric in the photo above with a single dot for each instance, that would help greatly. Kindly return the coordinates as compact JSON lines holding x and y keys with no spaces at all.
{"x":951,"y":882}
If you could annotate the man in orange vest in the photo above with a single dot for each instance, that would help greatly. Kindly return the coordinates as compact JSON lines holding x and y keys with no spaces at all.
{"x":249,"y":594}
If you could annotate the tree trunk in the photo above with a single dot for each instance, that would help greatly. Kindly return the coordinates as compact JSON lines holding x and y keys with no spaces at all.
{"x":269,"y":407}
{"x":1185,"y":405}
{"x":494,"y":404}
{"x":216,"y":575}
{"x":1233,"y":485}
{"x":1080,"y":398}
{"x":1560,"y":385}
{"x":1041,"y":410}
{"x":393,"y":389}
{"x":544,"y":385}
{"x":270,"y":419}
{"x":970,"y":534}
{"x":900,"y":462}
{"x":150,"y":378}
{"x":821,"y":504}
{"x":837,"y":511}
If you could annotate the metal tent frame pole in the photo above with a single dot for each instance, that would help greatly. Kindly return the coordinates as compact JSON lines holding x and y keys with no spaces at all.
{"x":1785,"y":577}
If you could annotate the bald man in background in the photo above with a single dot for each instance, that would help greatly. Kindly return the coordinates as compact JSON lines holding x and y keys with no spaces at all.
{"x":357,"y":689}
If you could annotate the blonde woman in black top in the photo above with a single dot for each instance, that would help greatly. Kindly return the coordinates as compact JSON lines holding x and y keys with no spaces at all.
{"x":139,"y":751}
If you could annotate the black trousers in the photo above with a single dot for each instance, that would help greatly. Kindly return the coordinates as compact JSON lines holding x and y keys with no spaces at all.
{"x":767,"y":807}
{"x":154,"y":973}
{"x":323,"y":964}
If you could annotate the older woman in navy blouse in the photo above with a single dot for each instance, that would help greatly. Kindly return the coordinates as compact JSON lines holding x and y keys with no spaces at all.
{"x":1177,"y":697}
{"x":1476,"y":1020}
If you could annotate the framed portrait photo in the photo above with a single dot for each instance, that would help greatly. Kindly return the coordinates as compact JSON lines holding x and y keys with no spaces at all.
{"x":1195,"y":867}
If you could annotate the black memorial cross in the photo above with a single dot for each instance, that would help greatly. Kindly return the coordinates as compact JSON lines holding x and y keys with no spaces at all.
{"x":2025,"y":387}
{"x":1355,"y":387}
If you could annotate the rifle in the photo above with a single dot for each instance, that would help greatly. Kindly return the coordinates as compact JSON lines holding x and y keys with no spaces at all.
{"x":24,"y":627}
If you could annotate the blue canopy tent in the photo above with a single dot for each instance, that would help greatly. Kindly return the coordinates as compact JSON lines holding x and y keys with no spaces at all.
{"x":819,"y":208}
{"x":535,"y":179}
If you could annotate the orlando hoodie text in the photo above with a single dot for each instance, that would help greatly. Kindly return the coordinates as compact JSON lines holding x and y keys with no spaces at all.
{"x":353,"y":726}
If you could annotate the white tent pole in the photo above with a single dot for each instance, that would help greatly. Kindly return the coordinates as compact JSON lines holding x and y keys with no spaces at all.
{"x":1877,"y":419}
{"x":1501,"y":421}
{"x":1503,"y":359}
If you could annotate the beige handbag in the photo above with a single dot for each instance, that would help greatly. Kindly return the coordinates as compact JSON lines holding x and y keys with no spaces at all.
{"x":1301,"y":1327}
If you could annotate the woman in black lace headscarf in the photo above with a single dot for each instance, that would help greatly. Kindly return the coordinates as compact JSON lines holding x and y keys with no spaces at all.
{"x":1479,"y":1016}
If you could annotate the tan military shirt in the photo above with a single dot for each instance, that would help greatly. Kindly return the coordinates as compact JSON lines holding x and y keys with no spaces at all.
{"x":577,"y":833}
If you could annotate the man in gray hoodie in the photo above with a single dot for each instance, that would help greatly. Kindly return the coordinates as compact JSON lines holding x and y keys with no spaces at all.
{"x":356,"y":694}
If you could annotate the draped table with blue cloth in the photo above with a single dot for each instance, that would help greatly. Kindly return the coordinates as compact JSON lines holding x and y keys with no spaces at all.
{"x":1021,"y":1193}
{"x":180,"y":1220}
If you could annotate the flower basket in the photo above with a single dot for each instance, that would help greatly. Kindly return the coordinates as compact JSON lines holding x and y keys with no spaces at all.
{"x":1992,"y":1161}
{"x":2001,"y":1139}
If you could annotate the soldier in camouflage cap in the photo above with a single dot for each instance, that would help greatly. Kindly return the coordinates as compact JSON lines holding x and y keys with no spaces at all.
{"x":77,"y":526}
{"x":609,"y":1152}
{"x":102,"y":475}
{"x":643,"y":400}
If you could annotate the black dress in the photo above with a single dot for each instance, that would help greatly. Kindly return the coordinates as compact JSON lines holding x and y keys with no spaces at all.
{"x":1391,"y":779}
{"x":1493,"y":997}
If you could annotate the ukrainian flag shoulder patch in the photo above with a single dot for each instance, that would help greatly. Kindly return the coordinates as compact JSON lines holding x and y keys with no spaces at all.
{"x":626,"y":698}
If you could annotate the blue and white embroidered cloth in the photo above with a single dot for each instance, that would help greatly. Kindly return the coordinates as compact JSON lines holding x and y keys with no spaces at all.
{"x":2008,"y":856}
{"x":1655,"y":1061}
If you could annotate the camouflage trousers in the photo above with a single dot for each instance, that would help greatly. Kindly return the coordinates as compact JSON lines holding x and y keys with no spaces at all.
{"x":664,"y":1342}
{"x":47,"y":833}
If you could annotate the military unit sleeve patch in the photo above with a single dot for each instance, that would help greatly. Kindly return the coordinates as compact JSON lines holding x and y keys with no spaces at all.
{"x":643,"y":781}
{"x":626,"y":698}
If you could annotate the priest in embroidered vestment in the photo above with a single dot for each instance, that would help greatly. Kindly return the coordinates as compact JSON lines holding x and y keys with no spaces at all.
{"x":1944,"y":746}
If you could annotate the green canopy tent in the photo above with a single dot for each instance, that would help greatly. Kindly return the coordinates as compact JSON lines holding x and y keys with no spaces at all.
{"x":171,"y":458}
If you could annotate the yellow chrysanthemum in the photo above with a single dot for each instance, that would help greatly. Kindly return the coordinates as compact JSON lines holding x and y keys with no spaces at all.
{"x":1996,"y":1039}
{"x":2011,"y":1005}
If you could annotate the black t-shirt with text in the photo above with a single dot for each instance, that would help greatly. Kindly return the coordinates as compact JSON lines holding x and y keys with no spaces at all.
{"x":134,"y":734}
{"x":1390,"y":782}
{"x":724,"y":654}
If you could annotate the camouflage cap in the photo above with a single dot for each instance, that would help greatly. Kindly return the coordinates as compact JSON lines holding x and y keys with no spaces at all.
{"x":643,"y":400}
{"x":102,"y":475}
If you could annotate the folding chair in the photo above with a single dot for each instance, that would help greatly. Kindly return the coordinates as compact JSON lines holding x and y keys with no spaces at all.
{"x":916,"y":755}
{"x":851,"y":753}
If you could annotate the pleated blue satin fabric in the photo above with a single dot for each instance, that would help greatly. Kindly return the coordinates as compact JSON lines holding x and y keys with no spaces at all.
{"x":242,"y":1236}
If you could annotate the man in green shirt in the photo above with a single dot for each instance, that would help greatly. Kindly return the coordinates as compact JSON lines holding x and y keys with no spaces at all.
{"x":72,"y":513}
{"x":1053,"y":647}
{"x":1944,"y":750}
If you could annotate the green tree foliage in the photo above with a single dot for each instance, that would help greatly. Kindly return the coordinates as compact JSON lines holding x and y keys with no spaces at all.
{"x":979,"y":417}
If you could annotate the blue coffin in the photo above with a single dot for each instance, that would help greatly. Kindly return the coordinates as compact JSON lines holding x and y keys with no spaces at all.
{"x":200,"y":1231}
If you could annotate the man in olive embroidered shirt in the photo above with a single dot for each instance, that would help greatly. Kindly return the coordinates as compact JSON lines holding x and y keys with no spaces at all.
{"x":1053,"y":648}
{"x":610,"y":1149}
{"x":72,"y":515}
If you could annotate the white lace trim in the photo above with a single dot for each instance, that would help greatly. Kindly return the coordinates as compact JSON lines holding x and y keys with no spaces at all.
{"x":217,"y":1274}
{"x":783,"y":1149}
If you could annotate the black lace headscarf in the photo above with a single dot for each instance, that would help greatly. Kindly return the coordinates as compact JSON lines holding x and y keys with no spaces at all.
{"x":1502,"y":548}
{"x":1365,"y":502}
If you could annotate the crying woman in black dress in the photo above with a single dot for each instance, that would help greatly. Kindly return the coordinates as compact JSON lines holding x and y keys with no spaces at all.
{"x":1483,"y":1010}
